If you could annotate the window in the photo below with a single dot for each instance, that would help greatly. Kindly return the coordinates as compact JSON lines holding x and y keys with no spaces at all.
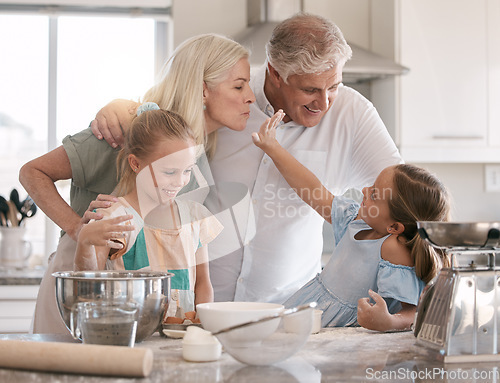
{"x":55,"y":73}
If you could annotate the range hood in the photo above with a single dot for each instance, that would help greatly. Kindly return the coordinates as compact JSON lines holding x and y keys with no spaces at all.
{"x":363,"y":66}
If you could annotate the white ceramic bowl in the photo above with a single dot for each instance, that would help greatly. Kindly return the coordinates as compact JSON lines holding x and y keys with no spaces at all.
{"x":216,"y":316}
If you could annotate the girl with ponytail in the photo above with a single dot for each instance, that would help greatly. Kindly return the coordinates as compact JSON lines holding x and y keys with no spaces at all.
{"x":378,"y":251}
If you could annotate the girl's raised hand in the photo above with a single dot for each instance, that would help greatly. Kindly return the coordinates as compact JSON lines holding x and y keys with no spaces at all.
{"x":266,"y":137}
{"x":374,"y":316}
{"x":105,"y":232}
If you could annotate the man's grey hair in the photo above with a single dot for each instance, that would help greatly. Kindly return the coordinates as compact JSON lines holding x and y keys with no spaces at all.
{"x":306,"y":44}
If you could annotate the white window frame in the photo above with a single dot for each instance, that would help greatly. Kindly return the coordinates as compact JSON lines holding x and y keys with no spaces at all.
{"x":163,"y":49}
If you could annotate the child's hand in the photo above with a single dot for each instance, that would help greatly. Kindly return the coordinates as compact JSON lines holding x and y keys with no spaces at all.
{"x":374,"y":316}
{"x":102,"y":201}
{"x":266,"y":137}
{"x":104,"y":232}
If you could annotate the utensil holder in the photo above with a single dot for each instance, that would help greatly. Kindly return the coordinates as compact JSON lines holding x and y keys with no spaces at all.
{"x":14,"y":249}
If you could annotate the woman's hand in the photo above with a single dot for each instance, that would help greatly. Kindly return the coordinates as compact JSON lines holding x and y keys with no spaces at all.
{"x":377,"y":317}
{"x":113,"y":120}
{"x":266,"y":137}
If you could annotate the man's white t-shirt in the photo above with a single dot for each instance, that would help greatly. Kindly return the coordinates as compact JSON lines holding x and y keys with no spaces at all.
{"x":347,"y":149}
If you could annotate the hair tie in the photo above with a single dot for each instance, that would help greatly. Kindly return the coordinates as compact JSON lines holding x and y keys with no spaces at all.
{"x":147,"y":106}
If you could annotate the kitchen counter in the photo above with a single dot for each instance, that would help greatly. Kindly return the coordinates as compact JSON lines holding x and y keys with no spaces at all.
{"x":26,"y":276}
{"x":334,"y":355}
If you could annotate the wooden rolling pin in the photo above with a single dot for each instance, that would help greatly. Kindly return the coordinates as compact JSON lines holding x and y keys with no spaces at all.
{"x":76,"y":358}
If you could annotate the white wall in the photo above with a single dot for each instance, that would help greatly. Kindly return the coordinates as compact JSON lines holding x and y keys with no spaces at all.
{"x":465,"y":183}
{"x":352,"y":17}
{"x":193,"y":17}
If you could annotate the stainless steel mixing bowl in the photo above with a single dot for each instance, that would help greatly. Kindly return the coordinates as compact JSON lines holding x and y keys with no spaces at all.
{"x":150,"y":291}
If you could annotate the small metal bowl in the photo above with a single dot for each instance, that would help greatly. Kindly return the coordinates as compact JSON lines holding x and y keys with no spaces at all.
{"x":150,"y":291}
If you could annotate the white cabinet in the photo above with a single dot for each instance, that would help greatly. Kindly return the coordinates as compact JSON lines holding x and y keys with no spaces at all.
{"x":450,"y":100}
{"x":17,"y":305}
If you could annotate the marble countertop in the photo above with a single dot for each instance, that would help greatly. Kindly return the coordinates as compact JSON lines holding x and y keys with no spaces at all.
{"x":21,"y":276}
{"x":336,"y":355}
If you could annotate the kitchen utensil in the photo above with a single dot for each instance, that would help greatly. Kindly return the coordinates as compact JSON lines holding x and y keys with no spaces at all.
{"x":14,"y":197}
{"x":12,"y":215}
{"x":423,"y":306}
{"x":458,"y":312}
{"x":104,"y":323}
{"x":76,"y":358}
{"x":28,"y":209}
{"x":4,"y":211}
{"x":150,"y":291}
{"x":14,"y":249}
{"x":275,"y":346}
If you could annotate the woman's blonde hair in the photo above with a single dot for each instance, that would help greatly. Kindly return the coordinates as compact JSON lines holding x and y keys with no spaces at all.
{"x":148,"y":130}
{"x":419,"y":196}
{"x":204,"y":59}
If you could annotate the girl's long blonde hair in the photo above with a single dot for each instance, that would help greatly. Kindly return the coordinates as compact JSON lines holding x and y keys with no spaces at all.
{"x":204,"y":59}
{"x":147,"y":130}
{"x":419,"y":196}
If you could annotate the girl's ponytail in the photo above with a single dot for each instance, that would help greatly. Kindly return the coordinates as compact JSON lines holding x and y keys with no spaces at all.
{"x":428,"y":260}
{"x":420,"y":196}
